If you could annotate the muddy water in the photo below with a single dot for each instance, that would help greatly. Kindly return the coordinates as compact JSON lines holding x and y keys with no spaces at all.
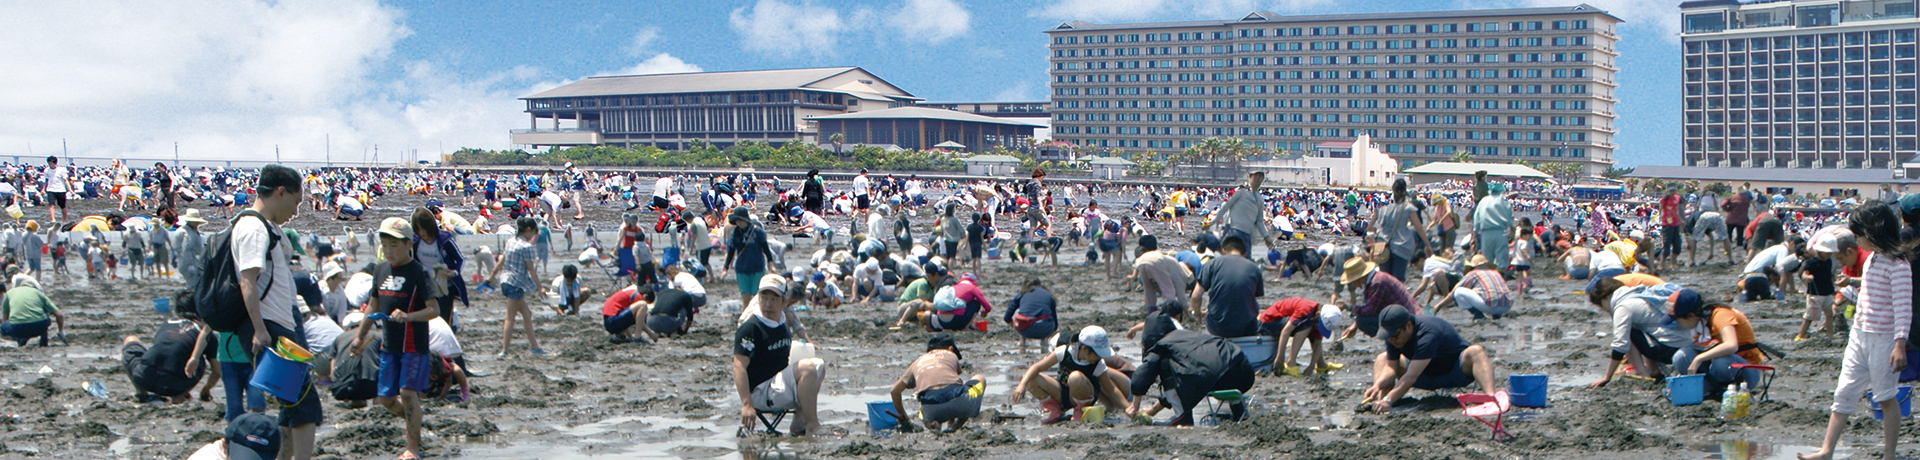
{"x":592,"y":399}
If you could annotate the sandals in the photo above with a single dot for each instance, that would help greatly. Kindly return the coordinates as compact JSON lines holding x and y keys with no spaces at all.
{"x":409,"y":455}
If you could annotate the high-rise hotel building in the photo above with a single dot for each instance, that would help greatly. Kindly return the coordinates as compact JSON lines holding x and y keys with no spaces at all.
{"x":1799,"y":84}
{"x":1534,"y":84}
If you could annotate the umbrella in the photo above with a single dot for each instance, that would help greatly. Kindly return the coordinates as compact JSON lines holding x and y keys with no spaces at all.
{"x":950,"y":145}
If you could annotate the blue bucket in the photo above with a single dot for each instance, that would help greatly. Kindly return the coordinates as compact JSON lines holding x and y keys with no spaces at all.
{"x":1686,"y":390}
{"x":1528,"y":390}
{"x":161,"y":305}
{"x":278,"y":376}
{"x":1258,"y":350}
{"x":880,"y":416}
{"x":1904,"y":395}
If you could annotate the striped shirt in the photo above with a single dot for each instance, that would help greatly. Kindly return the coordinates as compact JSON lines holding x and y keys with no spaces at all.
{"x":1492,"y":287}
{"x":1886,"y":302}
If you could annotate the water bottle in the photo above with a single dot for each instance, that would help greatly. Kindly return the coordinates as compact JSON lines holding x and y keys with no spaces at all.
{"x":1734,"y":404}
{"x":1743,"y":402}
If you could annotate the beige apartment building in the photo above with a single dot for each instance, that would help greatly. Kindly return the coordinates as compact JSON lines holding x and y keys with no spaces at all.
{"x":1535,"y":84}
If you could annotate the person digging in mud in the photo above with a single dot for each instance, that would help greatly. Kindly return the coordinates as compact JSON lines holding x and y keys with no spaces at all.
{"x":1294,"y":322}
{"x":1232,"y":285}
{"x":917,"y":298}
{"x":1877,"y":344}
{"x":1638,"y":338}
{"x":25,"y":313}
{"x":1481,"y":292}
{"x":1082,"y":378}
{"x":1423,"y":352}
{"x":1188,"y":365}
{"x":945,"y":399}
{"x":1032,"y":313}
{"x":1722,"y":337}
{"x":169,"y":369}
{"x":248,"y":437}
{"x":1161,"y":277}
{"x":669,"y":311}
{"x":406,"y":302}
{"x":761,"y":376}
{"x":619,"y":315}
{"x":1378,"y":290}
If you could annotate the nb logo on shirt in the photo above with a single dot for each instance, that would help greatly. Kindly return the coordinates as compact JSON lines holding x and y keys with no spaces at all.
{"x":393,"y":284}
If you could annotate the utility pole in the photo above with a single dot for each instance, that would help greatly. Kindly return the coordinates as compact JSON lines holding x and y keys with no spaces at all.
{"x":329,"y":150}
{"x":176,"y":155}
{"x":63,"y":151}
{"x":276,"y":153}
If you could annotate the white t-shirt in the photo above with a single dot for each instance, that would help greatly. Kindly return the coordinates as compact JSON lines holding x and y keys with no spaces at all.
{"x":249,"y":243}
{"x":662,"y":187}
{"x":321,"y":331}
{"x":348,"y":203}
{"x":57,"y":178}
{"x":216,"y":450}
{"x":869,"y":271}
{"x":359,"y":288}
{"x":688,"y":283}
{"x":553,"y":199}
{"x":440,"y":338}
{"x":1771,"y":256}
{"x":1603,"y":260}
{"x":861,"y":185}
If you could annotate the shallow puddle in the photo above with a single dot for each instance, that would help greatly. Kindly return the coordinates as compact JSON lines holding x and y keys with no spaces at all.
{"x":1756,"y":450}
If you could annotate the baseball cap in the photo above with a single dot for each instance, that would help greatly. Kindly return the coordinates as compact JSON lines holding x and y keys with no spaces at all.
{"x":969,"y":277}
{"x":253,"y":436}
{"x":434,"y":204}
{"x":1206,"y":241}
{"x":397,"y":228}
{"x":942,"y":341}
{"x":1681,"y":303}
{"x":1392,"y":319}
{"x":1095,"y":337}
{"x":773,"y":283}
{"x":1909,"y":203}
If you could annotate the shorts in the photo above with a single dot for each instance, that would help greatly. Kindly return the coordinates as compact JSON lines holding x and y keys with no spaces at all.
{"x":1578,"y":273}
{"x":58,"y":199}
{"x":1650,"y":348}
{"x":976,"y":250}
{"x":663,"y":324}
{"x":748,"y":282}
{"x":356,"y":212}
{"x":1670,"y":235}
{"x":778,"y":393}
{"x":1755,"y":287}
{"x":1109,"y":245}
{"x":513,"y":292}
{"x":619,"y":323}
{"x":1711,"y":227}
{"x":964,"y":407}
{"x":953,"y":248}
{"x":1180,"y":211}
{"x":1053,"y":244}
{"x":860,"y":202}
{"x":407,"y":371}
{"x":1454,"y":378}
{"x":660,"y":202}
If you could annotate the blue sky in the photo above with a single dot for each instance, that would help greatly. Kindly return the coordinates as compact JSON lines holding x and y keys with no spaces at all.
{"x":225,"y":77}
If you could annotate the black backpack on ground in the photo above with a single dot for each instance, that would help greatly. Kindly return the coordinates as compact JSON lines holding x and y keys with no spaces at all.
{"x":356,"y":377}
{"x":216,"y":298}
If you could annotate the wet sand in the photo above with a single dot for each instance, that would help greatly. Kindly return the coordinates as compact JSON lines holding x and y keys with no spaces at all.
{"x":593,"y":399}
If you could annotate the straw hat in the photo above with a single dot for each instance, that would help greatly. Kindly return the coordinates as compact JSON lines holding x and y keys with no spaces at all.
{"x":1356,"y":268}
{"x":192,"y":217}
{"x":1480,"y":261}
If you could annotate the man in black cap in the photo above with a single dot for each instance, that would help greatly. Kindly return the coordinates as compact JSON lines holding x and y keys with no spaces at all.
{"x":1232,"y":286}
{"x":1428,"y":349}
{"x":251,"y":436}
{"x":944,"y":398}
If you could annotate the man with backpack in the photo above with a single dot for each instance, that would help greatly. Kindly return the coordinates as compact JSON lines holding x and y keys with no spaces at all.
{"x":254,"y":274}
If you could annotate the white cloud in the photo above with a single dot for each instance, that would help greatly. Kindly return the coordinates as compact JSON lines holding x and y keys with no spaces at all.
{"x":236,"y":78}
{"x":642,"y":41}
{"x":1022,"y":91}
{"x":932,"y":21}
{"x":1100,"y":10}
{"x":658,"y":64}
{"x":789,"y":29}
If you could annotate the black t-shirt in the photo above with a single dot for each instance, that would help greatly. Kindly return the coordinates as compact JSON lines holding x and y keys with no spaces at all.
{"x":1233,"y":286}
{"x":672,"y":302}
{"x":1822,"y":273}
{"x":766,"y":348}
{"x":1435,"y":339}
{"x":976,"y":233}
{"x":172,"y":347}
{"x":403,"y":289}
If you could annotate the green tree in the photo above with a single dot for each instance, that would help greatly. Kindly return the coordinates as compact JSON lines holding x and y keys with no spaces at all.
{"x":1461,"y":156}
{"x":1615,"y":172}
{"x":837,"y":139}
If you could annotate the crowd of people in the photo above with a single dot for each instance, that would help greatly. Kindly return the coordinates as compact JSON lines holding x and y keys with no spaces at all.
{"x":1203,"y":285}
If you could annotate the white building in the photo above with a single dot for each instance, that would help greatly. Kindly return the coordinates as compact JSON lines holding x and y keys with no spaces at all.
{"x":1358,"y":162}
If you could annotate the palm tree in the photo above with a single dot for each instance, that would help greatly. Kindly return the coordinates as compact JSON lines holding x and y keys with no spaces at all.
{"x":837,"y":139}
{"x":1234,"y":149}
{"x":1461,"y":156}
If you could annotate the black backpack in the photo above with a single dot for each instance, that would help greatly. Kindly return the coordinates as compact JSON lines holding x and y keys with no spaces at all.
{"x":356,"y":377}
{"x":216,"y":298}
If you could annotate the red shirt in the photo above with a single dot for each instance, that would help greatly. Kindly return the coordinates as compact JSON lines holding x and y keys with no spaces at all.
{"x":1295,"y":308}
{"x":617,"y":302}
{"x":1670,"y":210}
{"x":1859,"y":259}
